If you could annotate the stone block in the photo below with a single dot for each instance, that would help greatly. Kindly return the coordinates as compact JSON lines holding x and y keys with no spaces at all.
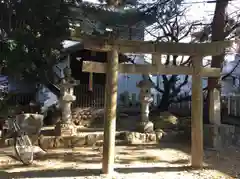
{"x":146,"y":127}
{"x":140,"y":138}
{"x":227,"y":133}
{"x":65,"y":129}
{"x":78,"y":141}
{"x":170,"y":136}
{"x":63,"y":142}
{"x":211,"y":138}
{"x":47,"y":142}
{"x":218,"y":136}
{"x":159,"y":134}
{"x":151,"y":137}
{"x":10,"y":141}
{"x":237,"y":136}
{"x":91,"y":139}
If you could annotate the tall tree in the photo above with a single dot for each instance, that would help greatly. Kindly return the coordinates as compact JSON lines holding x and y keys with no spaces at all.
{"x":223,"y":27}
{"x":31,"y":35}
{"x":218,"y":34}
{"x":173,"y":29}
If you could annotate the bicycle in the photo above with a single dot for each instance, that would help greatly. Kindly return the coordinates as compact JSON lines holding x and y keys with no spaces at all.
{"x":22,"y":144}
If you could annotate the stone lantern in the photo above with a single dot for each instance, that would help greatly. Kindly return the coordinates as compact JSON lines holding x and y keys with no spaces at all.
{"x":145,"y":96}
{"x":66,"y":126}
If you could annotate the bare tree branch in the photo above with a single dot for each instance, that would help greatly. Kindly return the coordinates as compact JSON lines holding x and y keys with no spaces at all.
{"x":187,"y":33}
{"x":233,"y":69}
{"x":155,"y":86}
{"x":177,"y":90}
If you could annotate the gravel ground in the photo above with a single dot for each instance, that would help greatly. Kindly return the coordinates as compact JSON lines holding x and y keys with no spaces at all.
{"x":169,"y":161}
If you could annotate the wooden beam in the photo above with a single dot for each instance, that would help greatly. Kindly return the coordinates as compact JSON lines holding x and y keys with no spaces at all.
{"x":147,"y":47}
{"x":197,"y":115}
{"x":110,"y":112}
{"x":156,"y":59}
{"x":97,"y":67}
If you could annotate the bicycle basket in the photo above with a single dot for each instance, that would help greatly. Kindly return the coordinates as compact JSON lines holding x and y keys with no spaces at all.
{"x":30,"y":123}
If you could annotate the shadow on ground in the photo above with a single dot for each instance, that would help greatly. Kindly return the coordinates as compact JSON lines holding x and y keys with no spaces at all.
{"x":227,"y":161}
{"x":68,"y":172}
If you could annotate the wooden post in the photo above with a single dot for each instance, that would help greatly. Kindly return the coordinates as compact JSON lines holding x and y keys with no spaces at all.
{"x":157,"y":60}
{"x":197,"y":114}
{"x":229,"y":104}
{"x":134,"y":99}
{"x":90,"y":86}
{"x":110,"y":112}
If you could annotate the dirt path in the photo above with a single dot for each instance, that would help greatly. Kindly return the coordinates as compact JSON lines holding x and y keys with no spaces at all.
{"x":150,"y":161}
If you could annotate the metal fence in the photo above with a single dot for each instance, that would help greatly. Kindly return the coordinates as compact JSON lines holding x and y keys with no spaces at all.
{"x":20,"y":98}
{"x":95,"y":98}
{"x":86,"y":98}
{"x":232,"y":103}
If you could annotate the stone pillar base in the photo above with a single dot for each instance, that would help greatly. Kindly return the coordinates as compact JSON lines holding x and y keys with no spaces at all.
{"x":218,"y":136}
{"x":146,"y":127}
{"x":65,"y":129}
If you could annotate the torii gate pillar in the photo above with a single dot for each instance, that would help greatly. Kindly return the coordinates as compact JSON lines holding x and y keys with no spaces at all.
{"x":110,"y":112}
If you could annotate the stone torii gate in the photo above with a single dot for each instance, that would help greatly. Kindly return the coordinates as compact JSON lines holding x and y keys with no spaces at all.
{"x":196,"y":50}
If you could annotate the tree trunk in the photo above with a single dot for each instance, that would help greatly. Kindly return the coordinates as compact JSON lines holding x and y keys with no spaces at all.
{"x":218,"y":26}
{"x":165,"y":101}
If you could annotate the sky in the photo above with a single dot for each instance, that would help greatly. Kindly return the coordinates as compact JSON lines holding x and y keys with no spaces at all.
{"x":196,"y":10}
{"x":200,"y":10}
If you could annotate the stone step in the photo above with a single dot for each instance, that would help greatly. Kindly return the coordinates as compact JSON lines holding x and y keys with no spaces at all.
{"x":117,"y":142}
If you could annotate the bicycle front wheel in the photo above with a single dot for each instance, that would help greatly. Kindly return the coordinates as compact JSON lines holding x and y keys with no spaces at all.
{"x":24,"y":149}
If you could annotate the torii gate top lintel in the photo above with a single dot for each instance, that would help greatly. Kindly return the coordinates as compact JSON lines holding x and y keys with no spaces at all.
{"x":151,"y":47}
{"x":197,"y":50}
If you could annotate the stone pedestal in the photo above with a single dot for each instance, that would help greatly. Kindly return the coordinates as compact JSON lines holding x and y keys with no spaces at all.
{"x":145,"y":99}
{"x":218,"y":137}
{"x":65,"y":127}
{"x":211,"y":137}
{"x":62,"y":129}
{"x":146,"y":127}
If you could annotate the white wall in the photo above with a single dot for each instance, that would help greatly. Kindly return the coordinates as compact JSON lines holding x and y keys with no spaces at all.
{"x":128,"y":82}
